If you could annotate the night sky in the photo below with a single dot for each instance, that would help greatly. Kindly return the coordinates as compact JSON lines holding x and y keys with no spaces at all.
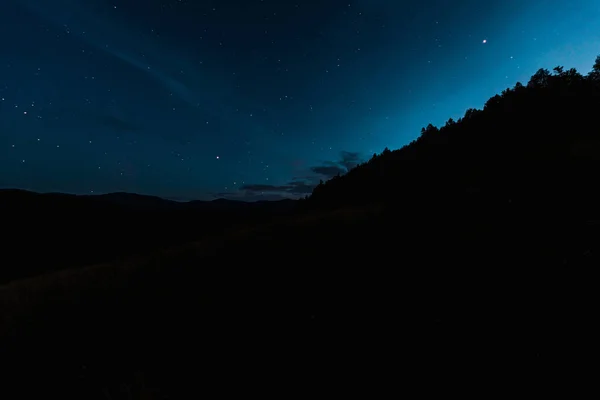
{"x":253,"y":99}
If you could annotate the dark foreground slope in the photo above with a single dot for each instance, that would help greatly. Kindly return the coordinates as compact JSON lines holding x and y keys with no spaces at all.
{"x":418,"y":266}
{"x":311,"y":300}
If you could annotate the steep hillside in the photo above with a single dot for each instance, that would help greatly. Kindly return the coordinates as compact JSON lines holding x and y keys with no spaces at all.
{"x":533,"y":142}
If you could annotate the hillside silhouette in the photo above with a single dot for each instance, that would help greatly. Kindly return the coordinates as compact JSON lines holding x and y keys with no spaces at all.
{"x":537,"y":140}
{"x":55,"y":231}
{"x":476,"y":244}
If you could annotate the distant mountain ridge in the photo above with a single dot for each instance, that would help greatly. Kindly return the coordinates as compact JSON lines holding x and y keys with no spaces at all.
{"x":54,"y":231}
{"x":134,"y":201}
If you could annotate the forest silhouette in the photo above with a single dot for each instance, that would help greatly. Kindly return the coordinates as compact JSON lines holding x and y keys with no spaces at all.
{"x":540,"y":139}
{"x":475,"y":244}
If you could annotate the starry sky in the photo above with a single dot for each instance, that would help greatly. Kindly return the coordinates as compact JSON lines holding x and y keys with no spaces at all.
{"x":253,"y":99}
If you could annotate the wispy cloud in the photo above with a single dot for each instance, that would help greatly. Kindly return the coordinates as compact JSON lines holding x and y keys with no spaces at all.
{"x":132,"y":46}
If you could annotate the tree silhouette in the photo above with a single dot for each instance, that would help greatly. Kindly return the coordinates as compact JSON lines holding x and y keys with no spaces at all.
{"x":526,"y":141}
{"x":559,"y":70}
{"x":595,"y":72}
{"x":539,"y":79}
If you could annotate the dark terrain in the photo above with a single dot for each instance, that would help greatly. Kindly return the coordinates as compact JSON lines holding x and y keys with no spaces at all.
{"x":56,"y":231}
{"x":469,"y":255}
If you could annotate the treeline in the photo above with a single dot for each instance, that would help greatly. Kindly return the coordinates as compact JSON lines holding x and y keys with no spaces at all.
{"x":539,"y":140}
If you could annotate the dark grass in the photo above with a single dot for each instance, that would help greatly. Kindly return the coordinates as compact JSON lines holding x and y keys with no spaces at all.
{"x":306,"y":299}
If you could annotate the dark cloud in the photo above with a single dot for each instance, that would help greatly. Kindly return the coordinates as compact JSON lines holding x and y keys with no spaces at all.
{"x":328,"y":171}
{"x":295,"y":187}
{"x":250,"y":196}
{"x":347,"y":161}
{"x":302,"y":186}
{"x":350,"y":159}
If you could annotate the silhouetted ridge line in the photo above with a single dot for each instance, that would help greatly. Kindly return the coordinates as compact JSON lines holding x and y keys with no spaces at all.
{"x":536,"y":140}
